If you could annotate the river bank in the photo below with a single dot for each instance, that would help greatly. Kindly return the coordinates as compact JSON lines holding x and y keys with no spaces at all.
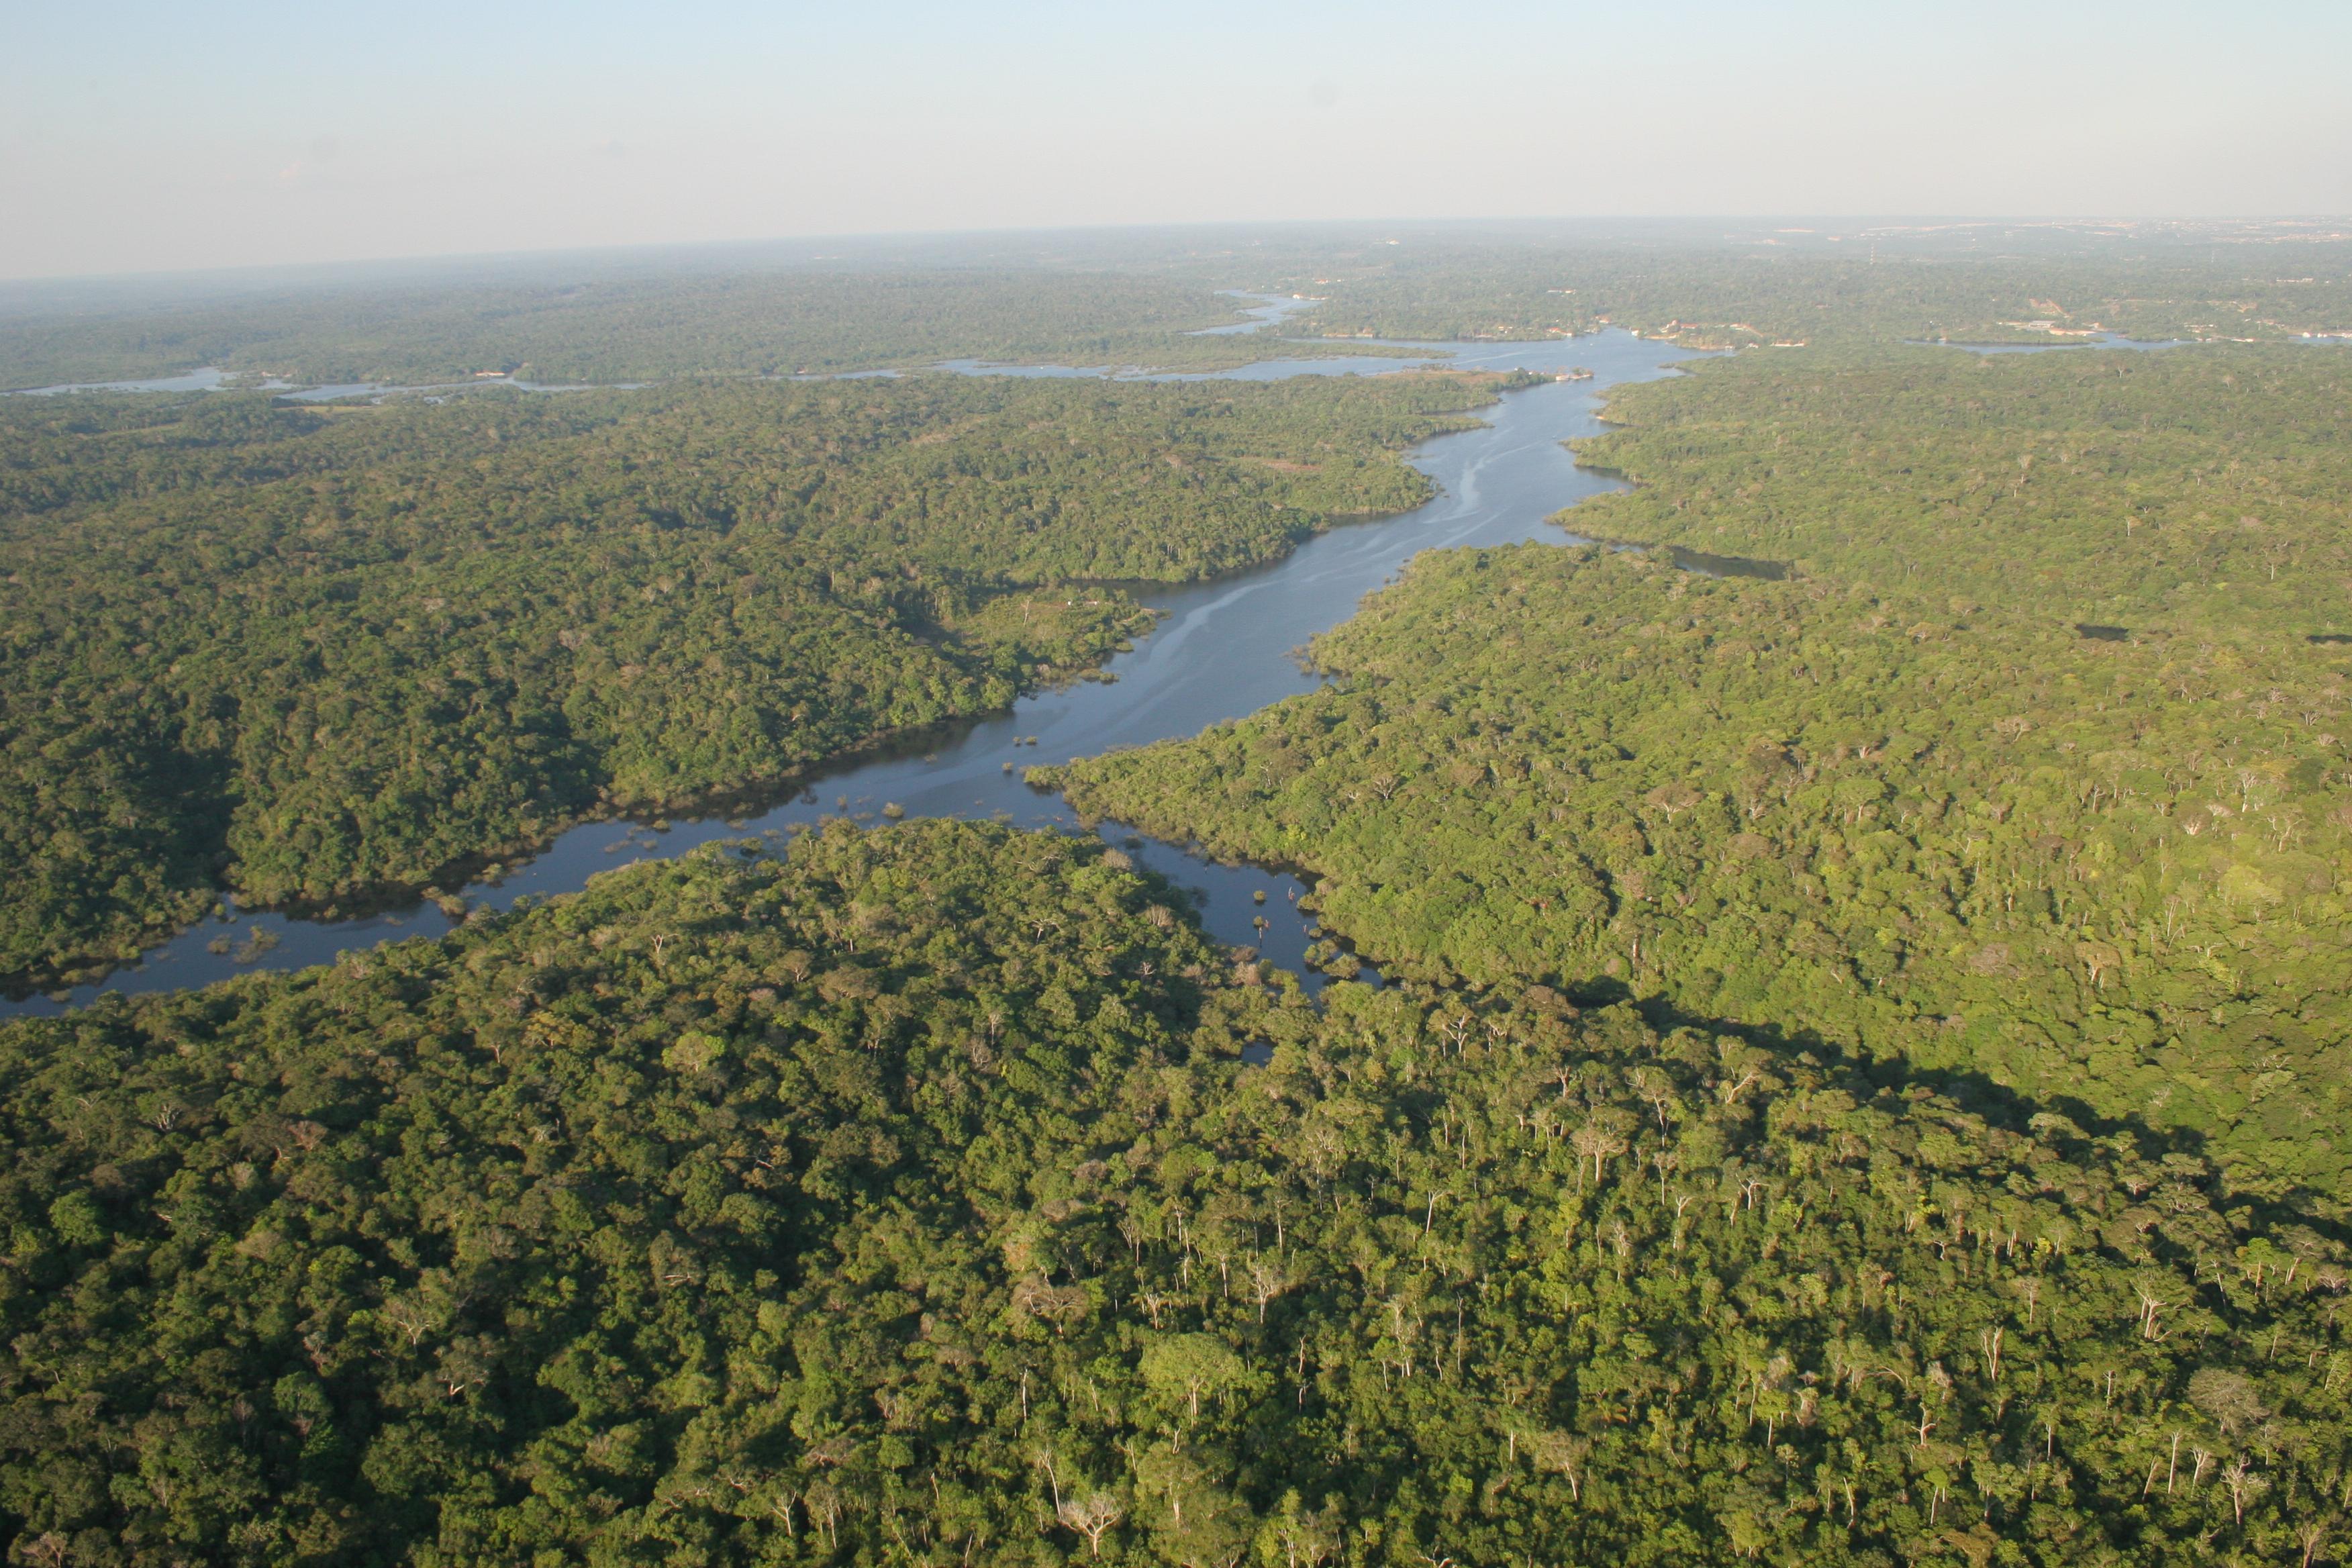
{"x":1222,"y":649}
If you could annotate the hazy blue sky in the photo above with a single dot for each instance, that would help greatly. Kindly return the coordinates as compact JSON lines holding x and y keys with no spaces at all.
{"x":136,"y":135}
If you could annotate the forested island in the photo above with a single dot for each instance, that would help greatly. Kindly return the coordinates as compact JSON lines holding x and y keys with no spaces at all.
{"x":1831,"y":1035}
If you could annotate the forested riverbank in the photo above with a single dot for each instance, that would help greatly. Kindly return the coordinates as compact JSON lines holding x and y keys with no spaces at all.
{"x":306,"y":653}
{"x":1902,"y":807}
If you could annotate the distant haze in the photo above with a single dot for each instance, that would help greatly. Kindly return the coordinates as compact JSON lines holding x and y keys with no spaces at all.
{"x":145,"y":136}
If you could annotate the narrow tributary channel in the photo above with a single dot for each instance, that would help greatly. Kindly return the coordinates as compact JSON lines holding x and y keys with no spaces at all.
{"x":1221,"y":650}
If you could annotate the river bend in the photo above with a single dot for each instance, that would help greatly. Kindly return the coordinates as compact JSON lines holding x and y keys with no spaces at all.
{"x":1222,"y":649}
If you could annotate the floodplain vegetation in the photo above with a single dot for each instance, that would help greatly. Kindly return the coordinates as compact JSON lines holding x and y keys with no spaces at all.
{"x":906,"y":1198}
{"x":307,"y":653}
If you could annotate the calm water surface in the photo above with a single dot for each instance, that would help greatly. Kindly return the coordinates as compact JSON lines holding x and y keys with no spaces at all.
{"x":206,"y":380}
{"x":1271,"y":309}
{"x":1221,"y":650}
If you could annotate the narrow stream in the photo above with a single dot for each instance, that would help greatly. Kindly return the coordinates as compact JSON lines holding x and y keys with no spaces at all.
{"x":1222,"y":649}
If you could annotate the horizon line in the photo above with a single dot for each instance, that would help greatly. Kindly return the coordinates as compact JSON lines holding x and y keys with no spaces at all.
{"x":264,"y":272}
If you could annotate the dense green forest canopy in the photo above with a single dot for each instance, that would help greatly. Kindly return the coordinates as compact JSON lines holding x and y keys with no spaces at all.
{"x":606,"y":328}
{"x":2113,"y":872}
{"x":1901,"y":804}
{"x":2204,"y":491}
{"x":906,"y":1199}
{"x":314,"y":650}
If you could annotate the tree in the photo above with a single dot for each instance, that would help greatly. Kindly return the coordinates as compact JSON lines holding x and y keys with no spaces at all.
{"x":1562,"y":1454}
{"x":1092,"y":1516}
{"x":2229,"y":1397}
{"x":1191,"y":1365}
{"x":1601,"y":1138}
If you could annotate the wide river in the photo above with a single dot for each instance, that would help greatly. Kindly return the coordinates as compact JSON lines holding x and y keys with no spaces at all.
{"x":1221,"y":649}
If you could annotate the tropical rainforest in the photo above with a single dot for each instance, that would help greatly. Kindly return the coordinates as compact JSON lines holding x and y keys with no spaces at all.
{"x":1906,"y":804}
{"x":907,"y":1198}
{"x":1828,"y":1040}
{"x":306,"y":652}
